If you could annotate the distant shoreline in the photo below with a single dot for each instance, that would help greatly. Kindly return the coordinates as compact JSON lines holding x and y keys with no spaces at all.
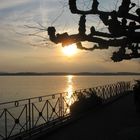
{"x":65,"y":74}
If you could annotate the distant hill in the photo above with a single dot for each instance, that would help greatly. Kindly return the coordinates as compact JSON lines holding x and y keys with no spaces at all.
{"x":65,"y":73}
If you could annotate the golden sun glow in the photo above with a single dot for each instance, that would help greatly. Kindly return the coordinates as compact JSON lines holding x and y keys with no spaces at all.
{"x":70,"y":50}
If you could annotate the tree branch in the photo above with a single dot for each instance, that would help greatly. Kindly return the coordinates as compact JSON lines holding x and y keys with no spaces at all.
{"x":123,"y":30}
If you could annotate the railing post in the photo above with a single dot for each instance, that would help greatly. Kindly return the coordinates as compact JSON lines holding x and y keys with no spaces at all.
{"x":29,"y":104}
{"x":47,"y":111}
{"x":5,"y":123}
{"x":26,"y":117}
{"x":61,"y":105}
{"x":32,"y":115}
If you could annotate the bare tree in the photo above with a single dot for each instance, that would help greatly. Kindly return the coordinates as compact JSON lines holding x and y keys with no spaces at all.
{"x":123,"y":30}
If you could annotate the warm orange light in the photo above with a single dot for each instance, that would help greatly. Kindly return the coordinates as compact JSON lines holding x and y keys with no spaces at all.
{"x":70,"y":50}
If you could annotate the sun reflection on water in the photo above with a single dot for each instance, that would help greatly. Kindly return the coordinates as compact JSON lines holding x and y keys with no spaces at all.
{"x":69,"y":91}
{"x":70,"y":86}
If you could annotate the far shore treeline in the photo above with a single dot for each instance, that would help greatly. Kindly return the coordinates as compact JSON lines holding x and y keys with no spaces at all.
{"x":67,"y":73}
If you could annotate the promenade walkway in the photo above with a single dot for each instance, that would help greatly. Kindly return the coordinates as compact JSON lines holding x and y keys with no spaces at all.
{"x":116,"y":121}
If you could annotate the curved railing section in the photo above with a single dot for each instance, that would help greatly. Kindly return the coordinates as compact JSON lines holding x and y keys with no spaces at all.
{"x":26,"y":117}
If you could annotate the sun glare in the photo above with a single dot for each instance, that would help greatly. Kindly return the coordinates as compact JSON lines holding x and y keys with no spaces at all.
{"x":70,"y":50}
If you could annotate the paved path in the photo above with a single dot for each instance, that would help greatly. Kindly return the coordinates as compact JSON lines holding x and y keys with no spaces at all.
{"x":117,"y":121}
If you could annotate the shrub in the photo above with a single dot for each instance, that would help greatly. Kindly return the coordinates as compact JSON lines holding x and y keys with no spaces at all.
{"x":84,"y":103}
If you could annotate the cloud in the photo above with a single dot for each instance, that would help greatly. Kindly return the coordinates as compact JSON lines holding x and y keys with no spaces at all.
{"x":4,"y":4}
{"x":14,"y":16}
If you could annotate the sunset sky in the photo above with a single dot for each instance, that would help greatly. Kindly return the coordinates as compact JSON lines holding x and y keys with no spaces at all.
{"x":21,"y":52}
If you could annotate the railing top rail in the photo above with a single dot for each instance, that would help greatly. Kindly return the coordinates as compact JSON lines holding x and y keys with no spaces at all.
{"x":36,"y":97}
{"x":49,"y":95}
{"x":102,"y":86}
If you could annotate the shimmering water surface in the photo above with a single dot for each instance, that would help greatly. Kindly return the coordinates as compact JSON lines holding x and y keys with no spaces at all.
{"x":14,"y":119}
{"x":18,"y":87}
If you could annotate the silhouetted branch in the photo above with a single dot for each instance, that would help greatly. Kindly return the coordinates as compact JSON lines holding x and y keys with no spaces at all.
{"x":123,"y":30}
{"x":121,"y":13}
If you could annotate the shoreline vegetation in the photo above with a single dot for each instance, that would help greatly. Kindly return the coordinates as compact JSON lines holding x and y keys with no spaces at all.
{"x":69,"y":73}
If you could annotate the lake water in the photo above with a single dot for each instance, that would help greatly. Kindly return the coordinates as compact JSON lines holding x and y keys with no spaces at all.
{"x":18,"y":87}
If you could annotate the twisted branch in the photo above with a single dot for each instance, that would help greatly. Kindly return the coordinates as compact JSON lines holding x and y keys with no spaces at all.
{"x":123,"y":30}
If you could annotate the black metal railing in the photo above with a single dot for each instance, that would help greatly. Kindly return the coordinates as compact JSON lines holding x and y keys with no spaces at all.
{"x":28,"y":116}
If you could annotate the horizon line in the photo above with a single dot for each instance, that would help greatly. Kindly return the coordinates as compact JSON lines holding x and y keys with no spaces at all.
{"x":68,"y":73}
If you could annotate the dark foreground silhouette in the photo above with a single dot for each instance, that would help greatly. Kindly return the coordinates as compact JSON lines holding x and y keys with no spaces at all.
{"x":116,"y":121}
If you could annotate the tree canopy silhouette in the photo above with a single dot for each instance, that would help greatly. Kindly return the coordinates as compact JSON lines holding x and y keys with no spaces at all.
{"x":123,"y":30}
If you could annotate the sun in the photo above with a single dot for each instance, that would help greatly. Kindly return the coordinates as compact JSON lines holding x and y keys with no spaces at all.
{"x":69,"y":50}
